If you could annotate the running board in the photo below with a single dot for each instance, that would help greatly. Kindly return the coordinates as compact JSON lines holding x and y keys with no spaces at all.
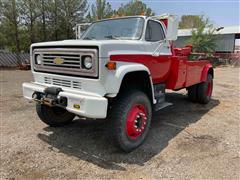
{"x":159,"y":94}
{"x":162,"y":105}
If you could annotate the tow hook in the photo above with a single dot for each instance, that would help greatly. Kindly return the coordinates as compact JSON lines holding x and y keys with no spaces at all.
{"x":49,"y":99}
{"x":43,"y":100}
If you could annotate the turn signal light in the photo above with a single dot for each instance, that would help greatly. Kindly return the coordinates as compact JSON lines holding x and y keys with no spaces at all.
{"x":111,"y":65}
{"x":76,"y":106}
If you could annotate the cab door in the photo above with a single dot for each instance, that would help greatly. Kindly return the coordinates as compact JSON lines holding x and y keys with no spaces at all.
{"x":159,"y":50}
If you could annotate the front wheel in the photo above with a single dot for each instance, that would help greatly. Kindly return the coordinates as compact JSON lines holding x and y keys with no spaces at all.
{"x":131,"y":118}
{"x":54,"y":116}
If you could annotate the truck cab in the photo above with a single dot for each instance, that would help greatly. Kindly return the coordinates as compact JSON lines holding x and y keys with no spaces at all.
{"x":119,"y":69}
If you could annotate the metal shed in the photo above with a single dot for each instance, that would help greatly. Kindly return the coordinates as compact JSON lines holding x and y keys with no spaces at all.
{"x":8,"y":59}
{"x":226,"y":38}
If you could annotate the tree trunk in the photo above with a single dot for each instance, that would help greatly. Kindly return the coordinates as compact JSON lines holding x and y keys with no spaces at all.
{"x":55,"y":20}
{"x":16,"y":33}
{"x":44,"y":22}
{"x":32,"y":38}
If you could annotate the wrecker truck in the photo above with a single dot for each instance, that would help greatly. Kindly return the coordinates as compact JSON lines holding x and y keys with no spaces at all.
{"x":118,"y":70}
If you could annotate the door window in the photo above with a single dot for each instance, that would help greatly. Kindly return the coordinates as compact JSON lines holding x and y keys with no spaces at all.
{"x":154,"y":31}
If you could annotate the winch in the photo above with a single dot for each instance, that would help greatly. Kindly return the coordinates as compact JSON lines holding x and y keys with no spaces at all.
{"x":50,"y":97}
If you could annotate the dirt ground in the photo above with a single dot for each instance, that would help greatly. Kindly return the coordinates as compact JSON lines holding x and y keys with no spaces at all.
{"x":186,"y":141}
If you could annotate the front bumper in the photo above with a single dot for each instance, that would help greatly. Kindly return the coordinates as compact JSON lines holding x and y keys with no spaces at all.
{"x":91,"y":105}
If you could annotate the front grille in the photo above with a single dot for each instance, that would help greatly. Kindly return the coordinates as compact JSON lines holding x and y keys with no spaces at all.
{"x":63,"y":83}
{"x":66,"y":61}
{"x":70,"y":60}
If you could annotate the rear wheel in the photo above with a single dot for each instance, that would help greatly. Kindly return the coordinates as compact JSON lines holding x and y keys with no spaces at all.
{"x":131,"y":119}
{"x":204,"y":92}
{"x":201,"y":92}
{"x":54,"y":116}
{"x":192,"y":93}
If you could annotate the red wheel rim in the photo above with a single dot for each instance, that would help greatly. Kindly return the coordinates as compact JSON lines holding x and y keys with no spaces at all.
{"x":209,"y":88}
{"x":136,"y":121}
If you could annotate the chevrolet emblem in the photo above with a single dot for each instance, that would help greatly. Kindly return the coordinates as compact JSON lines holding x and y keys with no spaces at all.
{"x":58,"y":60}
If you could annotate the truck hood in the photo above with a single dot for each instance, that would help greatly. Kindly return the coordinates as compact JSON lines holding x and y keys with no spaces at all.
{"x":106,"y":47}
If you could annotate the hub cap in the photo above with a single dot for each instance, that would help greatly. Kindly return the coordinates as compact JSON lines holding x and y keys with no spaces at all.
{"x":136,"y":121}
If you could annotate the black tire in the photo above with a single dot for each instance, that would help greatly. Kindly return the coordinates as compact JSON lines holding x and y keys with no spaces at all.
{"x":119,"y":114}
{"x":54,"y":116}
{"x":192,"y":93}
{"x":204,"y":91}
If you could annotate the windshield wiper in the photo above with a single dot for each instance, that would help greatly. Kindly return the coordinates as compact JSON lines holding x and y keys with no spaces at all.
{"x":112,"y":37}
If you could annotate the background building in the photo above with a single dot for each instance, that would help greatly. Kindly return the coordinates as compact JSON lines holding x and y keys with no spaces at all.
{"x":226,"y":38}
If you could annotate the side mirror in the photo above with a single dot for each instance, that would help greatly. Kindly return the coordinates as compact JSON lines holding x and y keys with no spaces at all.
{"x":171,"y":24}
{"x":80,"y":28}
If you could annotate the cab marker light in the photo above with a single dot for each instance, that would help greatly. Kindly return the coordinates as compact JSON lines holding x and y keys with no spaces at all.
{"x":111,"y":65}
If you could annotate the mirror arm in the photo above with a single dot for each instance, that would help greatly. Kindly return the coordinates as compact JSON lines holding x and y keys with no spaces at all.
{"x":155,"y":53}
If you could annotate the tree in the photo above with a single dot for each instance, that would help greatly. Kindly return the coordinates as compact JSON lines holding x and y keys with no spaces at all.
{"x":1,"y":11}
{"x":23,"y":22}
{"x":100,"y":10}
{"x":203,"y":38}
{"x":191,"y":21}
{"x":63,"y":15}
{"x":135,"y":7}
{"x":43,"y":16}
{"x":30,"y":12}
{"x":12,"y":19}
{"x":53,"y":18}
{"x":2,"y":37}
{"x":72,"y":13}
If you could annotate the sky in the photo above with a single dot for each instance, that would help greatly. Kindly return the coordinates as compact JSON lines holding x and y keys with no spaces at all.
{"x":220,"y":12}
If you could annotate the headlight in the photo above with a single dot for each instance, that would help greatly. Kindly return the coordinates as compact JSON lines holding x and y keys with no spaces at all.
{"x":38,"y":59}
{"x":87,"y":62}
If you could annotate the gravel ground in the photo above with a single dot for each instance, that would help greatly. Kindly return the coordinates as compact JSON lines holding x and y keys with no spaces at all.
{"x":186,"y":141}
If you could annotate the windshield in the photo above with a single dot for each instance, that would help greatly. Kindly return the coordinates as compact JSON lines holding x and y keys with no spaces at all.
{"x":124,"y":28}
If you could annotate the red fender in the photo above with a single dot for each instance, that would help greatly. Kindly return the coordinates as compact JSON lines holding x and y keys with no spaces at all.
{"x":208,"y":68}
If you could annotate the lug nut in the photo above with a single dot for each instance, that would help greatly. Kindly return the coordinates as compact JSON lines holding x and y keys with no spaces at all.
{"x":135,"y":126}
{"x":135,"y":121}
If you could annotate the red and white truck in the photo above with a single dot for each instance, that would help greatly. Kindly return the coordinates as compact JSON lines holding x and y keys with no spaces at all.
{"x":119,"y":70}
